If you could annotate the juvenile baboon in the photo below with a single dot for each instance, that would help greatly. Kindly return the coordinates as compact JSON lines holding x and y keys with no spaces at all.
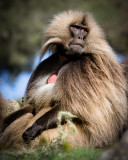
{"x":82,"y":76}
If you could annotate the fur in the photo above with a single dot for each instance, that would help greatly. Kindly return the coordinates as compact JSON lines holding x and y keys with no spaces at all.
{"x":92,"y":87}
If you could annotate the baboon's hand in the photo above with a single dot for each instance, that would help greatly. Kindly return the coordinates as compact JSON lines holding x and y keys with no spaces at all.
{"x":32,"y":132}
{"x":46,"y":121}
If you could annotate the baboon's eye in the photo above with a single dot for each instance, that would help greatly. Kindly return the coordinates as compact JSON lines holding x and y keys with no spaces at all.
{"x":75,"y":29}
{"x":83,"y":30}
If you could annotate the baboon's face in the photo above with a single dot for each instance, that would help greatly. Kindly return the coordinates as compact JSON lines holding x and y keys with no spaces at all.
{"x":73,"y":34}
{"x":77,"y":41}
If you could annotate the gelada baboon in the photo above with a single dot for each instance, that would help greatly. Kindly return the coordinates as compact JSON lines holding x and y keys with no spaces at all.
{"x":82,"y":76}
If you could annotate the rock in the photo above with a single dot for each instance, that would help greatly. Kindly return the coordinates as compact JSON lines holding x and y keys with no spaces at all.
{"x":118,"y":152}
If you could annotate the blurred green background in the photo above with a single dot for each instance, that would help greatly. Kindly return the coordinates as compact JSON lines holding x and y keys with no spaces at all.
{"x":22,"y":23}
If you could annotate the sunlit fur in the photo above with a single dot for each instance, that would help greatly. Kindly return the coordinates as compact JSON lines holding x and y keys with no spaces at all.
{"x":93,"y":87}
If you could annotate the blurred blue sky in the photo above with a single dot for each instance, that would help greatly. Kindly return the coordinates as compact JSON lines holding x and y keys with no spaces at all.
{"x":16,"y":89}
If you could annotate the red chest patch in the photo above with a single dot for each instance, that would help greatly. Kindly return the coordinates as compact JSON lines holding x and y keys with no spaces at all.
{"x":52,"y":78}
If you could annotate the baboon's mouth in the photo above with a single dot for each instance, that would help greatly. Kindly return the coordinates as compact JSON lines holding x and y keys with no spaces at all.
{"x":76,"y":44}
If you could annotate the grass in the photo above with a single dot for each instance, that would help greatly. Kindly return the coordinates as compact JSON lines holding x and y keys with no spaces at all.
{"x":39,"y":154}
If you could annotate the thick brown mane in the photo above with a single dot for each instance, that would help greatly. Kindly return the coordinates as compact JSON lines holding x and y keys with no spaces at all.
{"x":90,"y":88}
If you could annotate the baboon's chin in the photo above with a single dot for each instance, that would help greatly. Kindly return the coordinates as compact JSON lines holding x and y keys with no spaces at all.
{"x":74,"y":52}
{"x":75,"y":48}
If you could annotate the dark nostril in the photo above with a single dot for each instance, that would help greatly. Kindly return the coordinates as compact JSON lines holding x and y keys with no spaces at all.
{"x":80,"y":38}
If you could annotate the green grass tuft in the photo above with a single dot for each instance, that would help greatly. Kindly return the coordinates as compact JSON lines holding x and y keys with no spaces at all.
{"x":51,"y":154}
